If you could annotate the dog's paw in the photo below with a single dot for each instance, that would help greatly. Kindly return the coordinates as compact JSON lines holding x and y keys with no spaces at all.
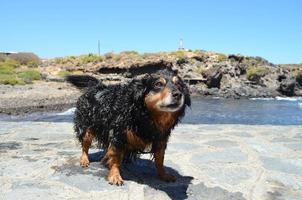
{"x":115,"y":179}
{"x":84,"y":162}
{"x":167,"y":177}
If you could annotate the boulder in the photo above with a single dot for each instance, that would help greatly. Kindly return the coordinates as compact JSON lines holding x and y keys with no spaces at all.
{"x":299,"y":79}
{"x":213,"y":77}
{"x":287,"y":87}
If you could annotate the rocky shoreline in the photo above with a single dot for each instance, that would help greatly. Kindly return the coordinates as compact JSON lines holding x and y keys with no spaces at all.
{"x":42,"y":97}
{"x":208,"y":74}
{"x":37,"y":97}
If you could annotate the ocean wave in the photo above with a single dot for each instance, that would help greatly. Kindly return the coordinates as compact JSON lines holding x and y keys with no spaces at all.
{"x":278,"y":98}
{"x":263,"y":98}
{"x":289,"y":98}
{"x":67,"y":112}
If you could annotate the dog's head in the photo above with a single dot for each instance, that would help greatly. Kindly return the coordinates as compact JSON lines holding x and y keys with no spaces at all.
{"x":164,"y":91}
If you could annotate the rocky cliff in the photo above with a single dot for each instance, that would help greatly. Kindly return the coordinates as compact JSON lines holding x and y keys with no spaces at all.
{"x":207,"y":73}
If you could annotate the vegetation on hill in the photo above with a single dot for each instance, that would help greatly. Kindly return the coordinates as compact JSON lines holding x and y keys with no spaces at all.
{"x":255,"y":73}
{"x":16,"y":69}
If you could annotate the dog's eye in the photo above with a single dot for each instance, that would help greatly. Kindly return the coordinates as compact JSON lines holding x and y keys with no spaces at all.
{"x":158,"y":84}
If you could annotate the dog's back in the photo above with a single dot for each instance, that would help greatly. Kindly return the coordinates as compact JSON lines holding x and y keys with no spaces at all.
{"x":82,"y":81}
{"x":102,"y":109}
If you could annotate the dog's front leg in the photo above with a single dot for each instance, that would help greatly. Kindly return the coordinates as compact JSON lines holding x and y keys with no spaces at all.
{"x":159,"y":156}
{"x":114,"y":159}
{"x":86,"y":142}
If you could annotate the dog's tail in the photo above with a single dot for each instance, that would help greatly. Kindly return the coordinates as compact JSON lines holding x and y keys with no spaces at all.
{"x":83,"y":81}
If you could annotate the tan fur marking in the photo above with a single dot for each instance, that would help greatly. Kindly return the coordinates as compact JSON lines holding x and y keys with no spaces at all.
{"x":152,"y":99}
{"x":114,"y":160}
{"x":162,"y":120}
{"x":86,"y":142}
{"x":162,"y":80}
{"x":134,"y":142}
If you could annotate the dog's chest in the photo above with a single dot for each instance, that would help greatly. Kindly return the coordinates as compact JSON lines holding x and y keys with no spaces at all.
{"x":136,"y":143}
{"x":164,"y":121}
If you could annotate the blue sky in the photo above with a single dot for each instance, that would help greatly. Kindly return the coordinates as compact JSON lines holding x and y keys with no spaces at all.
{"x":268,"y":28}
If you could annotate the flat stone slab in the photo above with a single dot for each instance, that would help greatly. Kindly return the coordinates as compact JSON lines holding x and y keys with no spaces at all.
{"x":40,"y":160}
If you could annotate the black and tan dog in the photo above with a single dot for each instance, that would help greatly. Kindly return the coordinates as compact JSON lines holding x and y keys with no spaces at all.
{"x":127,"y":119}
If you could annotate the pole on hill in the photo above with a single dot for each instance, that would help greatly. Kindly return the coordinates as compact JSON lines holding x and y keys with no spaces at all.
{"x":181,"y":45}
{"x":99,"y":46}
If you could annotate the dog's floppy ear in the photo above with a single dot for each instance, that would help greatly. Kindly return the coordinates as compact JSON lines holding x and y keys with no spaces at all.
{"x":139,"y":87}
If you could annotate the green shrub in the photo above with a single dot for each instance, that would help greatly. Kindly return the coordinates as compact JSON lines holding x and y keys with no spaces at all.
{"x":255,"y":73}
{"x":64,"y":73}
{"x":10,"y":79}
{"x":250,"y":62}
{"x":6,"y":69}
{"x":29,"y":75}
{"x":65,"y":60}
{"x":179,"y":54}
{"x":70,"y":59}
{"x":59,"y":60}
{"x":32,"y":64}
{"x":221,"y":57}
{"x":25,"y":58}
{"x":8,"y":75}
{"x":130,"y":52}
{"x":10,"y":63}
{"x":147,"y":55}
{"x":84,"y":59}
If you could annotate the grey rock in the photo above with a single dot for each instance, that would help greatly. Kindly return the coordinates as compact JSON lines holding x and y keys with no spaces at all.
{"x":233,"y":155}
{"x":222,"y":143}
{"x":200,"y":191}
{"x":282,"y":165}
{"x":287,"y":87}
{"x":42,"y":161}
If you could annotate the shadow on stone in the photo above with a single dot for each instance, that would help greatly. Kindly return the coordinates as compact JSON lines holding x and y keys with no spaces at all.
{"x":10,"y":145}
{"x":143,"y":171}
{"x":201,"y":191}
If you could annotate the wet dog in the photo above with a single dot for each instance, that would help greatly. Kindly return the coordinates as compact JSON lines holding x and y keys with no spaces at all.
{"x":126,"y":119}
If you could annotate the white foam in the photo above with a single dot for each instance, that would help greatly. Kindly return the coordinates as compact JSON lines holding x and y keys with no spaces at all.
{"x":263,"y":98}
{"x":289,"y":98}
{"x":278,"y":98}
{"x":68,"y":112}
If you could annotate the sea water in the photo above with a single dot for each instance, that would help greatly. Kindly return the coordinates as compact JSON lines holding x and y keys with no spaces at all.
{"x":276,"y":111}
{"x":260,"y":111}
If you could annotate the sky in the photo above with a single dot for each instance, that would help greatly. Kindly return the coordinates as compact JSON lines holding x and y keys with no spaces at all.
{"x":271,"y":29}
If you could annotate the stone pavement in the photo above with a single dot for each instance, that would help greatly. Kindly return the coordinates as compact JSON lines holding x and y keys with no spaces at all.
{"x":40,"y":160}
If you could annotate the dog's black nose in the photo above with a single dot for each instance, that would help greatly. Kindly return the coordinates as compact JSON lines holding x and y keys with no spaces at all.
{"x":176,"y":95}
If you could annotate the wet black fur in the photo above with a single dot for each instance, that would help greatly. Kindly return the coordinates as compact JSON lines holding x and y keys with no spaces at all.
{"x":111,"y":110}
